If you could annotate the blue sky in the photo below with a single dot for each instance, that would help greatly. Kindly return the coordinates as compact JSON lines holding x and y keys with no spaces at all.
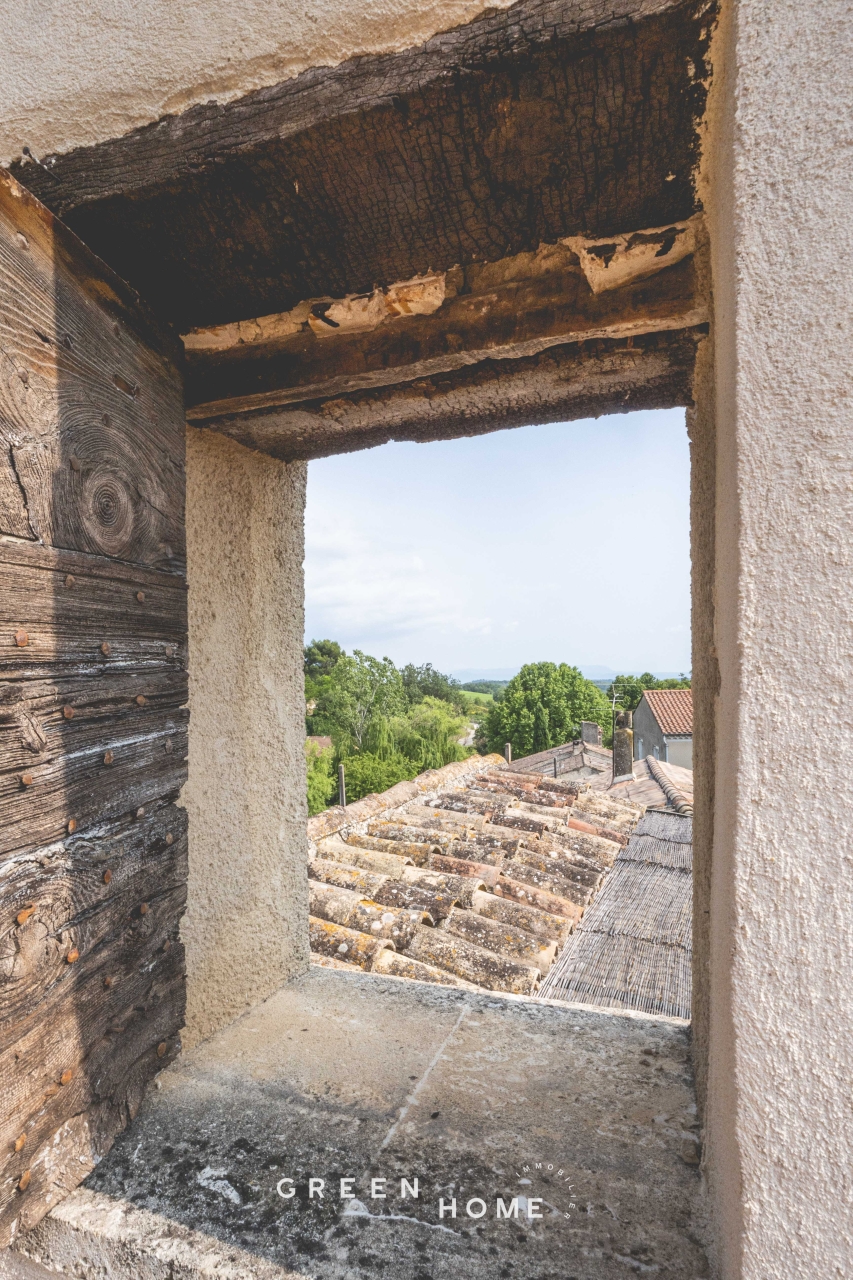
{"x":567,"y":542}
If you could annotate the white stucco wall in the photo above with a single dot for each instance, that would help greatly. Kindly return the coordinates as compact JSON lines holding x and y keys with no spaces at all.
{"x":779,"y":196}
{"x":132,"y":63}
{"x":246,"y":926}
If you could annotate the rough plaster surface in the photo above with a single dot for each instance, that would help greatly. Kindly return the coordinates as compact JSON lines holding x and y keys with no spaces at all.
{"x":246,"y":924}
{"x":133,"y":63}
{"x":341,"y":1075}
{"x":779,"y":200}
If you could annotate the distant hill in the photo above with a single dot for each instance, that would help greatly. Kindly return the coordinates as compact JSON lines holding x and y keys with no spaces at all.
{"x":485,"y":686}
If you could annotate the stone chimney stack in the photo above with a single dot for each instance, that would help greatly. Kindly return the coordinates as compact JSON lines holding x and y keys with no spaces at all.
{"x":591,"y":732}
{"x":623,"y":746}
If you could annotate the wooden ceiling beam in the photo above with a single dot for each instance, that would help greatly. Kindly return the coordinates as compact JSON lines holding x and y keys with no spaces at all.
{"x":504,"y":311}
{"x":548,"y":119}
{"x":560,"y":384}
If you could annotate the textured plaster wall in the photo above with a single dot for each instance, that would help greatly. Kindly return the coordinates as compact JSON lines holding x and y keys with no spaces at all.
{"x":780,"y":957}
{"x":76,"y":73}
{"x":246,"y":924}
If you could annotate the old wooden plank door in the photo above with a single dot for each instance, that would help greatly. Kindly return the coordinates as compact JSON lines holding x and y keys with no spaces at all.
{"x":92,"y":706}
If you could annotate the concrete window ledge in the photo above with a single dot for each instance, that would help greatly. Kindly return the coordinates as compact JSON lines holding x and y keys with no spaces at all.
{"x":351,"y":1075}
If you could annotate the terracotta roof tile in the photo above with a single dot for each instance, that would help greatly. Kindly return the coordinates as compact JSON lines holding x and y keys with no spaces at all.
{"x":672,"y":708}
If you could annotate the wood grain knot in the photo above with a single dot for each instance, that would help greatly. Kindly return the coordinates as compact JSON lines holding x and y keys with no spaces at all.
{"x":107,"y":509}
{"x":129,"y":388}
{"x":21,"y":638}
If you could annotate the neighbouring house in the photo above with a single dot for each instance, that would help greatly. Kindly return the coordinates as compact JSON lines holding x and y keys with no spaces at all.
{"x":663,"y":726}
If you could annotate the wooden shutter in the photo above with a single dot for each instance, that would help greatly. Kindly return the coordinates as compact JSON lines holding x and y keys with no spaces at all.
{"x":93,"y":721}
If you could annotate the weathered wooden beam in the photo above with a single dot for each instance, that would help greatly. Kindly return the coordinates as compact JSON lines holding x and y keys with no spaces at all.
{"x":507,"y":310}
{"x":547,"y":119}
{"x":577,"y":380}
{"x":93,"y":692}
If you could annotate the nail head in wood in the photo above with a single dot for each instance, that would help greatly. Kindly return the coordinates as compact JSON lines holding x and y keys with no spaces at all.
{"x":161,"y":1048}
{"x":170,"y":651}
{"x":144,"y":908}
{"x":140,"y":812}
{"x":108,"y":875}
{"x":23,"y":916}
{"x":74,"y":463}
{"x":69,"y":580}
{"x":24,"y":1180}
{"x":140,"y":595}
{"x":108,"y":757}
{"x":167,"y":945}
{"x":72,"y":826}
{"x":20,"y":1142}
{"x":141,"y":700}
{"x":22,"y":240}
{"x":21,"y":638}
{"x":169,"y":837}
{"x":67,"y":1076}
{"x":109,"y":982}
{"x":68,"y":712}
{"x":26,"y":779}
{"x":73,"y":956}
{"x":24,"y":376}
{"x":106,"y":648}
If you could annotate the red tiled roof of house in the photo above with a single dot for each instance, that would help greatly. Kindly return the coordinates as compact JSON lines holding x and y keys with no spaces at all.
{"x":672,"y":708}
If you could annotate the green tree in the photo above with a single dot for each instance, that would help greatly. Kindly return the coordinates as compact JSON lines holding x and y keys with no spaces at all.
{"x":630,"y":689}
{"x":321,"y":657}
{"x":542,"y":707}
{"x":362,"y":694}
{"x":321,"y":778}
{"x":429,"y":734}
{"x":367,"y":773}
{"x":425,"y":682}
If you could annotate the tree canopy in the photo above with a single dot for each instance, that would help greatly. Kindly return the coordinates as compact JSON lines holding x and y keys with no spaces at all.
{"x":542,"y":707}
{"x":630,"y":689}
{"x":385,"y":724}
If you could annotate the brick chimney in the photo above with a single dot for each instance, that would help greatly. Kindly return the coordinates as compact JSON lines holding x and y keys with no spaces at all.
{"x":623,"y":746}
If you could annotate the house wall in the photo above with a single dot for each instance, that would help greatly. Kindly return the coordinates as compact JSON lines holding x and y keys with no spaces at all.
{"x":647,"y":734}
{"x":773,"y":971}
{"x":138,"y":62}
{"x":679,"y":751}
{"x":246,"y":926}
